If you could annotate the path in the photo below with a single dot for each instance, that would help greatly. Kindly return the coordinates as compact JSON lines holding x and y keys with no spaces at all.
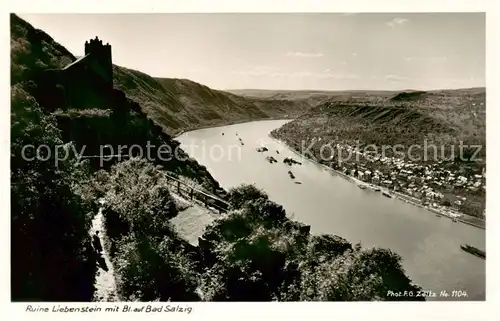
{"x":190,"y":223}
{"x":192,"y":219}
{"x":105,"y":280}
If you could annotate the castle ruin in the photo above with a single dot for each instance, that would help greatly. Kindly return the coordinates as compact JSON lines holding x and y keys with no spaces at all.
{"x":100,"y":58}
{"x":85,"y":83}
{"x":96,"y":62}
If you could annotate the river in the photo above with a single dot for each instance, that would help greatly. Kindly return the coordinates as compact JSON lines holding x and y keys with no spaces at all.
{"x":429,"y":245}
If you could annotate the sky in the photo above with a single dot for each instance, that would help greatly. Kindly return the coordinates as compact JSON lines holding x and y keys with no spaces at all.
{"x":324,"y":51}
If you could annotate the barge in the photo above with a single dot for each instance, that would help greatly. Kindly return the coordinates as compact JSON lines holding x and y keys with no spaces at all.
{"x":474,"y":251}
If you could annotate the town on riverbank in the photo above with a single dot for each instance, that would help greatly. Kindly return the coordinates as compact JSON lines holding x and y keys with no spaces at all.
{"x":137,"y":217}
{"x":426,"y":147}
{"x":412,"y":183}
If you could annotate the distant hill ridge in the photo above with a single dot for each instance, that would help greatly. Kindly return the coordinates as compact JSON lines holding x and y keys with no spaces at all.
{"x":174,"y":104}
{"x":443,"y":117}
{"x":87,"y":110}
{"x":182,"y":104}
{"x":413,"y":95}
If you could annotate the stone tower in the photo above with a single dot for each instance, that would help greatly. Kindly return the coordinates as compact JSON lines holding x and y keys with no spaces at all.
{"x":101,"y":58}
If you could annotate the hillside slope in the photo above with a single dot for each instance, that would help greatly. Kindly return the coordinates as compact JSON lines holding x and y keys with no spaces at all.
{"x":174,"y":104}
{"x":180,"y":104}
{"x":103,"y":117}
{"x":49,"y":194}
{"x":443,"y":117}
{"x":308,"y":94}
{"x":430,"y":145}
{"x":50,"y":257}
{"x":256,"y":253}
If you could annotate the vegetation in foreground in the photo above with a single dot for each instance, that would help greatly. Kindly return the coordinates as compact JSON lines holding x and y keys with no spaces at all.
{"x":253,"y":253}
{"x":51,"y":258}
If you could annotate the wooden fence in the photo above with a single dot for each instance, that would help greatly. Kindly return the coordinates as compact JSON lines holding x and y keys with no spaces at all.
{"x":183,"y":189}
{"x":208,"y":200}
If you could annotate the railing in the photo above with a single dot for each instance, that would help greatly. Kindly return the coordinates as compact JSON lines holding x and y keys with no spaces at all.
{"x":183,"y":189}
{"x":208,"y":200}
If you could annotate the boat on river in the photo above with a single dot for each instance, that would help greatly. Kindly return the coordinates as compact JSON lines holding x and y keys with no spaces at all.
{"x":433,"y":264}
{"x":474,"y":251}
{"x":290,"y":161}
{"x":362,"y":186}
{"x":386,"y":194}
{"x":271,"y":159}
{"x":291,"y":174}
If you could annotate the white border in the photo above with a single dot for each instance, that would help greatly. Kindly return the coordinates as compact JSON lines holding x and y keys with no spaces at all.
{"x":299,"y":311}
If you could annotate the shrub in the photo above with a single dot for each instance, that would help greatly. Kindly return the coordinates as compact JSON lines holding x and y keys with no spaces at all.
{"x":151,"y":262}
{"x":265,"y":210}
{"x":137,"y":191}
{"x":326,"y":247}
{"x":260,"y":255}
{"x":241,"y":194}
{"x":358,"y":275}
{"x":52,"y":259}
{"x":150,"y":271}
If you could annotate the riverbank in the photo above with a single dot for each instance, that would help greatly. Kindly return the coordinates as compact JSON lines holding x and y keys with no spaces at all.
{"x":236,"y":122}
{"x":457,"y":216}
{"x":428,"y":244}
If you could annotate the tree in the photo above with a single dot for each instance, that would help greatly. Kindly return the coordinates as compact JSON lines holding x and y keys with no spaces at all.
{"x":137,"y":191}
{"x":150,"y":271}
{"x":357,"y":275}
{"x":52,"y":259}
{"x":258,"y":254}
{"x":151,"y":261}
{"x":238,"y":196}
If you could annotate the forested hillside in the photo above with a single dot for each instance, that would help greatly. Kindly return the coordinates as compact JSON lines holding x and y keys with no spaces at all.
{"x":252,"y":253}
